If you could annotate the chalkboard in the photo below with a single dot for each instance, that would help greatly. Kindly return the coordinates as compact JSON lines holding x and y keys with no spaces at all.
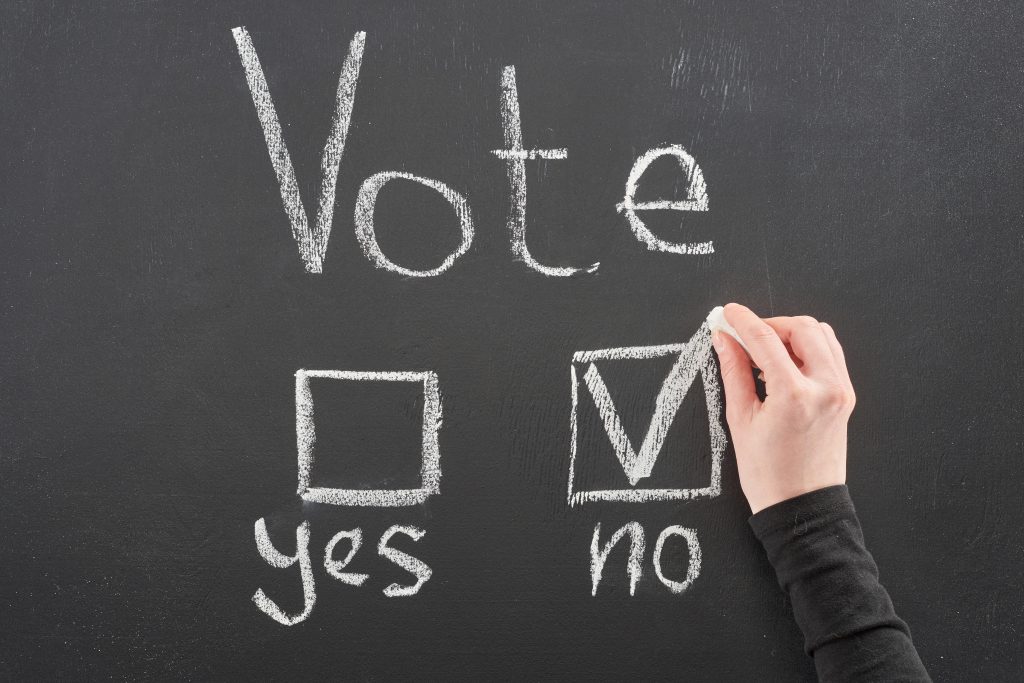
{"x":418,"y":288}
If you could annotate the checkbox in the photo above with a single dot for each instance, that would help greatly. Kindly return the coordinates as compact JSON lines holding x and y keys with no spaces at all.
{"x":692,"y":359}
{"x":306,"y":438}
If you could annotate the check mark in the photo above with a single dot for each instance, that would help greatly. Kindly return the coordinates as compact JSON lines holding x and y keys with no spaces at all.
{"x":638,"y":465}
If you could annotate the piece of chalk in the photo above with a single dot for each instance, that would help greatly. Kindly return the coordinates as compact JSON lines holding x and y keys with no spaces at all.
{"x":718,"y":323}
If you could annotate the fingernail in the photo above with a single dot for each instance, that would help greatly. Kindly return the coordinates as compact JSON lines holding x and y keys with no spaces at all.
{"x":716,"y":341}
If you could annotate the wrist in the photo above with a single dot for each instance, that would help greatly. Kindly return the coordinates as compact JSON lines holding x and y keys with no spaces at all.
{"x":766,"y":499}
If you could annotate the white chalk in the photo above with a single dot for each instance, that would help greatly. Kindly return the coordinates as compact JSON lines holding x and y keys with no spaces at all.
{"x":599,"y":554}
{"x":718,"y":323}
{"x":414,"y":566}
{"x":366,"y":200}
{"x":334,"y":567}
{"x":312,"y":242}
{"x":276,"y":558}
{"x":305,"y":433}
{"x":696,"y":200}
{"x":692,"y":570}
{"x":694,"y":357}
{"x":516,"y":156}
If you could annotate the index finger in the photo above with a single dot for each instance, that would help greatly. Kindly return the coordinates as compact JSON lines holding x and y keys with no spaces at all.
{"x":766,"y":349}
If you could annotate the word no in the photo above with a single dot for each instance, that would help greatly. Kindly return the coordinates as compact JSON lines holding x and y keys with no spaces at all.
{"x":599,"y":555}
{"x":312,"y":241}
{"x":335,"y":568}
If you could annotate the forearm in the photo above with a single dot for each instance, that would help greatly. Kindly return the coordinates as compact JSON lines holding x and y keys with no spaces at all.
{"x":816,"y":545}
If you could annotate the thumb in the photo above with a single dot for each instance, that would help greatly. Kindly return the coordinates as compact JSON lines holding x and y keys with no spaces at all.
{"x":737,"y":379}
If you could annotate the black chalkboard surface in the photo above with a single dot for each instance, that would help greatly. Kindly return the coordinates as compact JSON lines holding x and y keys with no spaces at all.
{"x":389,"y":337}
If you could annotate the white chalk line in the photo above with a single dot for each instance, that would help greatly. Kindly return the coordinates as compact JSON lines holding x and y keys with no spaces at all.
{"x":312,"y":243}
{"x":628,"y":353}
{"x":693,"y":567}
{"x":411,"y":564}
{"x":366,"y":202}
{"x":634,"y":563}
{"x":694,"y":358}
{"x":335,"y":567}
{"x":281,"y":561}
{"x":599,"y":554}
{"x":697,"y":200}
{"x":515,"y":156}
{"x":638,"y":465}
{"x":641,"y":495}
{"x":560,"y":153}
{"x":305,"y":431}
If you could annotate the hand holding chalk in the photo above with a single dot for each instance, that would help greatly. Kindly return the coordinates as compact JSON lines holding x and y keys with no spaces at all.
{"x":794,"y":441}
{"x":718,"y":323}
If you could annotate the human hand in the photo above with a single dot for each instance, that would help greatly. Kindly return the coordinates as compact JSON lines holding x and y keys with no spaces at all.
{"x":793,"y":442}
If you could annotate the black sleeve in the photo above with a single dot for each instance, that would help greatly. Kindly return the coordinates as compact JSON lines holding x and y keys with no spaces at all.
{"x":815,"y":543}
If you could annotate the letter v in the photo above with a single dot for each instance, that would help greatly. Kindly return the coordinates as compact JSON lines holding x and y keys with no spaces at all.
{"x":637,"y":466}
{"x":312,"y":243}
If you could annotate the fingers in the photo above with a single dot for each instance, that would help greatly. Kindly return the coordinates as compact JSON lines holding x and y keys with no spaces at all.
{"x":766,"y":349}
{"x":809,"y":342}
{"x":737,"y":379}
{"x":837,"y":353}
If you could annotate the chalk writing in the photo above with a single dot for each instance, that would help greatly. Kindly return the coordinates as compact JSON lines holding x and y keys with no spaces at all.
{"x":599,"y":554}
{"x":692,"y":570}
{"x":634,"y":564}
{"x":694,"y":357}
{"x":312,"y":242}
{"x":691,"y":359}
{"x":365,"y":202}
{"x":515,"y":157}
{"x":407,"y":562}
{"x":418,"y":568}
{"x":305,"y":432}
{"x":697,"y":200}
{"x":334,"y":567}
{"x":281,"y":561}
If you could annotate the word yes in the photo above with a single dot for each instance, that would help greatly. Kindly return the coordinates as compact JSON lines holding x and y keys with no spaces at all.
{"x":335,"y":568}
